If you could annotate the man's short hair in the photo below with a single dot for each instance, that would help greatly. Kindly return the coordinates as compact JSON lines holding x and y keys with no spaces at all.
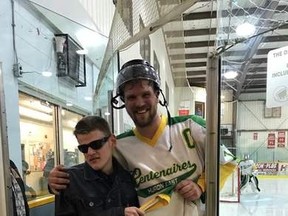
{"x":90,"y":123}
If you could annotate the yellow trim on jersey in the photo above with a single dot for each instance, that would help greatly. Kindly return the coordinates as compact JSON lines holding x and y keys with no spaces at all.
{"x":159,"y":201}
{"x":156,"y":136}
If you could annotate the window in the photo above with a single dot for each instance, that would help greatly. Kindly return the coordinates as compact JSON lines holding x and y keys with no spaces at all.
{"x":39,"y":146}
{"x":37,"y":134}
{"x":156,"y":63}
{"x":71,"y":154}
{"x":274,"y":112}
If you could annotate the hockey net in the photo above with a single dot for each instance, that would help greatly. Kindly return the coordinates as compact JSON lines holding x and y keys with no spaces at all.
{"x":231,"y":189}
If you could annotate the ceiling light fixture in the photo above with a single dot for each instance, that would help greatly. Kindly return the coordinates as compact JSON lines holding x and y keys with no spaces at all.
{"x":245,"y":30}
{"x":30,"y":113}
{"x":88,"y":98}
{"x":69,"y":104}
{"x":230,"y":74}
{"x":82,"y":52}
{"x":46,"y":73}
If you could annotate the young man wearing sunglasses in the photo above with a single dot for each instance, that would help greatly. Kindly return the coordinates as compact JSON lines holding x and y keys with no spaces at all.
{"x":99,"y":186}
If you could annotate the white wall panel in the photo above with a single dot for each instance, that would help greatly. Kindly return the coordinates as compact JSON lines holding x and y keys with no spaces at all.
{"x":251,"y":117}
{"x":254,"y":96}
{"x":101,"y":12}
{"x":191,"y":94}
{"x":252,"y":131}
{"x":227,"y":112}
{"x":10,"y":84}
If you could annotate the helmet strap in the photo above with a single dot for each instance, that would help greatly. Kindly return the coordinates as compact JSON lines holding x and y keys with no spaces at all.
{"x":114,"y":102}
{"x":165,"y":104}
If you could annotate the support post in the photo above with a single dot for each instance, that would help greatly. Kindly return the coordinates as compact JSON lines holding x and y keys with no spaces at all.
{"x":212,"y":141}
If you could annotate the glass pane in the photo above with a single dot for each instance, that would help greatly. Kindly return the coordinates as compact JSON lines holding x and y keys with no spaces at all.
{"x":37,"y":143}
{"x":254,"y":105}
{"x":71,"y":152}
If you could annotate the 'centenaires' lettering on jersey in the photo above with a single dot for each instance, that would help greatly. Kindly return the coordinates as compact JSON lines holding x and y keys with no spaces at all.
{"x":188,"y":138}
{"x":166,"y":172}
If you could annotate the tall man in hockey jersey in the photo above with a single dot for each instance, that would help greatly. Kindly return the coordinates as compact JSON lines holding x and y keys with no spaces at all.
{"x":166,"y":155}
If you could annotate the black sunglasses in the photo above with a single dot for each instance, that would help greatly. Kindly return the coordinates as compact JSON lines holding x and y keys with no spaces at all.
{"x":96,"y":144}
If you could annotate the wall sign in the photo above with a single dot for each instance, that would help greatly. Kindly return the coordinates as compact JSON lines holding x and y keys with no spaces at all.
{"x":277,"y":76}
{"x":281,"y":139}
{"x":271,"y":141}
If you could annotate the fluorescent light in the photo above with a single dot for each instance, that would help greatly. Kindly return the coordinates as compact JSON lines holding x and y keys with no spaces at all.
{"x":106,"y":113}
{"x":88,"y":98}
{"x":245,"y":30}
{"x":82,"y":52}
{"x":46,"y":73}
{"x":230,"y":74}
{"x":69,"y":104}
{"x":44,"y":107}
{"x":30,"y":113}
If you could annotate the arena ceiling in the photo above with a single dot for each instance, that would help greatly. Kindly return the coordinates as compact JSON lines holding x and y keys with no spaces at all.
{"x":204,"y":29}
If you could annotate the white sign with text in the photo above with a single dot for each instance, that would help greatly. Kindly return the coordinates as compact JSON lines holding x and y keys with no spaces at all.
{"x":277,"y":78}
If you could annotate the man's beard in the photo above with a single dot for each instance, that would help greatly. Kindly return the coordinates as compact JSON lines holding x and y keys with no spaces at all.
{"x":145,"y":120}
